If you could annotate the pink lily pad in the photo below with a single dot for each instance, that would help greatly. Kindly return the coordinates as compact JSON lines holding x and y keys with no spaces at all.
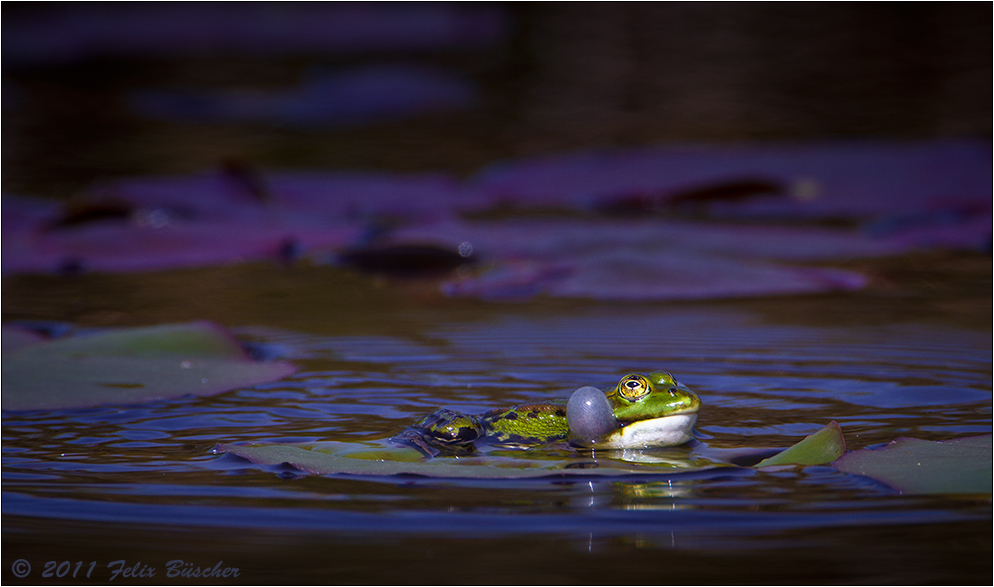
{"x":916,"y":466}
{"x":128,"y":366}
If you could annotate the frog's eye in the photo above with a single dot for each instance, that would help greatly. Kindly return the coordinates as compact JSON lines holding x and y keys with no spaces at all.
{"x":634,"y":387}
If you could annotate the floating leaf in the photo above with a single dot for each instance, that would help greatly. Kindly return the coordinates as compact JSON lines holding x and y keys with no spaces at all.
{"x":371,"y":219}
{"x":631,"y":274}
{"x":130,"y":365}
{"x":306,"y":458}
{"x":914,"y":466}
{"x":918,"y":466}
{"x":819,"y":448}
{"x":857,"y":180}
{"x":371,"y":459}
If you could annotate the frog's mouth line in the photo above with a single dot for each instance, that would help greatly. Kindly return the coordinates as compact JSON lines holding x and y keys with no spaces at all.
{"x":665,"y":431}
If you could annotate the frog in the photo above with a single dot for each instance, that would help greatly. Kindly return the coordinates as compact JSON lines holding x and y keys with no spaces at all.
{"x":640,"y":411}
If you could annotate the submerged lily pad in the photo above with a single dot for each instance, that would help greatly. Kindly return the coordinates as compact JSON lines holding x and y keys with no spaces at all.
{"x":130,"y":365}
{"x":820,"y":448}
{"x":916,"y":466}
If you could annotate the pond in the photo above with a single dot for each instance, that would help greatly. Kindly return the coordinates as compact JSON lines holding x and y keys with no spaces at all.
{"x":475,"y":206}
{"x":143,"y":484}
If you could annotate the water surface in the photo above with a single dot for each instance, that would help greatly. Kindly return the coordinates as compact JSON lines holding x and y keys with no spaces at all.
{"x":142,"y":482}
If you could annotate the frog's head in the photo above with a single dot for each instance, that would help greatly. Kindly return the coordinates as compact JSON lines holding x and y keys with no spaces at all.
{"x":639,"y":412}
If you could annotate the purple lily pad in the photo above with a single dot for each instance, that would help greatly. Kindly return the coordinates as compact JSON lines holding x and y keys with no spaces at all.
{"x":628,"y":275}
{"x":916,"y":466}
{"x":128,"y":366}
{"x":852,"y":180}
{"x":350,"y":97}
{"x":226,"y":216}
{"x":239,"y":214}
{"x":569,"y":238}
{"x":238,"y":192}
{"x":644,"y":259}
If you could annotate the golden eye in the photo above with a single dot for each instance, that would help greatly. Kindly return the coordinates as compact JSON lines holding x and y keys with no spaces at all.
{"x":634,"y":387}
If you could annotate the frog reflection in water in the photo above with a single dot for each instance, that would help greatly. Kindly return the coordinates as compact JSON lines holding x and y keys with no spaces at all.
{"x":641,"y":411}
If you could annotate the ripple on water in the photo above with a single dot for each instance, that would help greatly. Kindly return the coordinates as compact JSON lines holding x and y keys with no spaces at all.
{"x":762,"y":385}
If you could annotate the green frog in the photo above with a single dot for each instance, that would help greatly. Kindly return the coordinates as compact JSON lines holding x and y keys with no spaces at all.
{"x":641,"y":411}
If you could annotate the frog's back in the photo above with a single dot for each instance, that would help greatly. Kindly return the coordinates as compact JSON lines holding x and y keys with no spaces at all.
{"x":538,"y":422}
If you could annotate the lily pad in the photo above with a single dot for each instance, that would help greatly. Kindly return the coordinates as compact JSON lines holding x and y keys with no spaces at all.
{"x":916,"y":466}
{"x":128,"y":366}
{"x":820,"y":448}
{"x":856,"y":180}
{"x":400,"y":221}
{"x":325,"y":461}
{"x":381,"y":458}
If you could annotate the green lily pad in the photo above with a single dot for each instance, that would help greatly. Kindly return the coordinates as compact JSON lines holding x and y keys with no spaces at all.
{"x":382,"y":458}
{"x":129,"y":366}
{"x":960,"y":465}
{"x":370,"y":459}
{"x":820,"y":448}
{"x":916,"y":466}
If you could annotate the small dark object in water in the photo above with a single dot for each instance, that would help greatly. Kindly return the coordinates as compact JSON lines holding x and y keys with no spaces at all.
{"x":405,"y":260}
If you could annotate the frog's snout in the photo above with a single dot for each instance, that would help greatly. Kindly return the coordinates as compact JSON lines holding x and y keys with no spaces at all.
{"x":589,"y":415}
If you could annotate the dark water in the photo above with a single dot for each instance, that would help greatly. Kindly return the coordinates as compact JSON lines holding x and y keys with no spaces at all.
{"x":141,"y":483}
